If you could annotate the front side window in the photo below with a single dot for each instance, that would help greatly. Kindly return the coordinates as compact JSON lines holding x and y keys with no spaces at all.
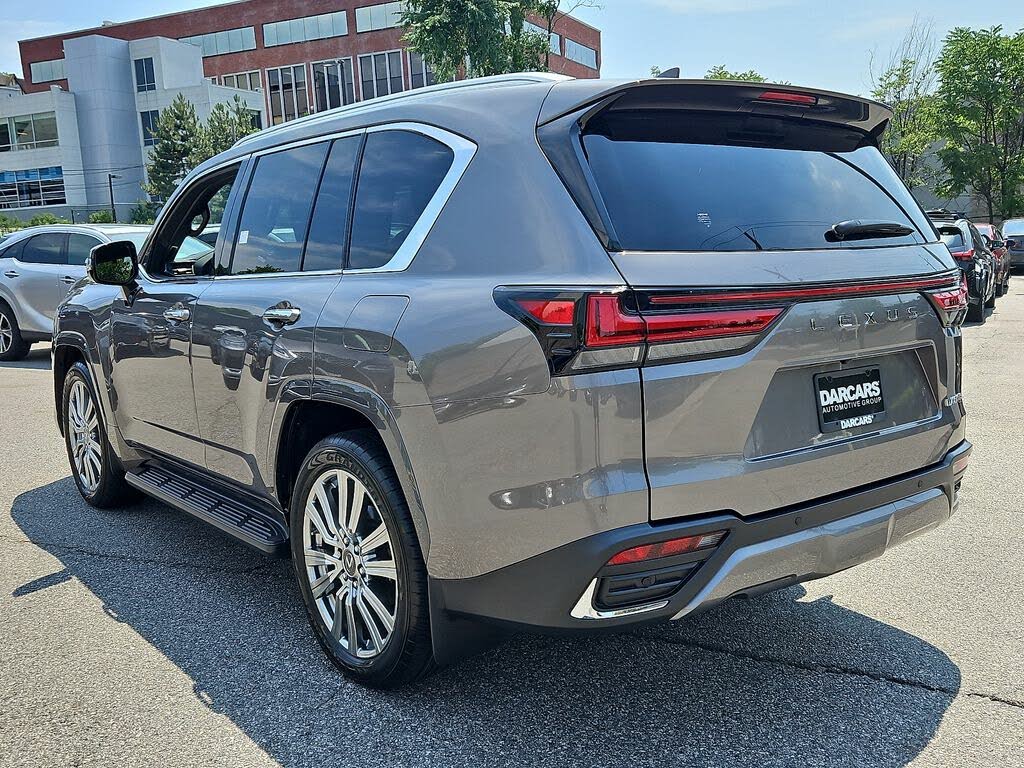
{"x":47,"y":248}
{"x":79,"y":247}
{"x":145,"y":77}
{"x":276,"y":211}
{"x":399,"y":175}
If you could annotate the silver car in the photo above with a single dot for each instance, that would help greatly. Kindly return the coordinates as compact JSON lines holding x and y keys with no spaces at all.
{"x":531,"y":352}
{"x":38,"y":266}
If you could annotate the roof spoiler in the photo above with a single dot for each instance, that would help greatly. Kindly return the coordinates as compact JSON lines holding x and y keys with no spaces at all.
{"x":726,"y":96}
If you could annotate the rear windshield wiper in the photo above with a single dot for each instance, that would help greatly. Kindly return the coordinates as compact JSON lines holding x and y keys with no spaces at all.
{"x":858,"y":229}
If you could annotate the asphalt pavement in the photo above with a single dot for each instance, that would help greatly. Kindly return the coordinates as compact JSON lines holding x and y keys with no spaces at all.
{"x":144,"y":637}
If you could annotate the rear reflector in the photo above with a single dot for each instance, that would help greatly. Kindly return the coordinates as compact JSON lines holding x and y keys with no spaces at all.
{"x":961,"y":464}
{"x":550,"y":312}
{"x":785,"y":97}
{"x":668,"y":548}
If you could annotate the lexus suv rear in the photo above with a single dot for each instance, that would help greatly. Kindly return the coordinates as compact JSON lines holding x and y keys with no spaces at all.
{"x":531,"y":352}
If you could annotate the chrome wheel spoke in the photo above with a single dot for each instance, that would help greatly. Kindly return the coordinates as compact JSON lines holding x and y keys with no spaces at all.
{"x":339,"y":610}
{"x":357,"y":501}
{"x":319,"y":521}
{"x":383,"y":568}
{"x":376,"y":539}
{"x":378,"y":608}
{"x":323,"y":583}
{"x":84,"y":437}
{"x":351,"y":628}
{"x":371,"y":626}
{"x":316,"y":557}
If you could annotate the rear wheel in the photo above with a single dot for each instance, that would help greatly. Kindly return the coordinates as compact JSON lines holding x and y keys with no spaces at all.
{"x":990,"y":302}
{"x":97,"y":471}
{"x":358,"y":562}
{"x":976,"y":313}
{"x":12,"y":345}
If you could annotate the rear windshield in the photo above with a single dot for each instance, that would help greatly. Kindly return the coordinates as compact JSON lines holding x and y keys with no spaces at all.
{"x":665,"y":193}
{"x":953,"y":238}
{"x":1013,"y":228}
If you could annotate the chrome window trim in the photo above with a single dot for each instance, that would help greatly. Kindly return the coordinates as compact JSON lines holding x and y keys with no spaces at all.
{"x":464,"y":151}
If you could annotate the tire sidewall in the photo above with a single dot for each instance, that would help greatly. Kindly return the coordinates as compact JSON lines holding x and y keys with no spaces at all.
{"x":347,"y":455}
{"x":18,"y":348}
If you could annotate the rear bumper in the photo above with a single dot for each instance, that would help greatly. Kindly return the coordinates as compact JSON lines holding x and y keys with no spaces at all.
{"x":556,"y":590}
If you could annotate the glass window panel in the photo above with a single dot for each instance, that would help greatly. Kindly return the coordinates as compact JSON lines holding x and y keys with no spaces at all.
{"x":47,"y":248}
{"x":366,"y":76}
{"x":363,"y":19}
{"x":45,"y":127}
{"x":339,"y":23}
{"x":378,"y":17}
{"x":350,"y":94}
{"x":223,"y":42}
{"x":235,"y":40}
{"x":400,"y":173}
{"x":380,"y":69}
{"x":23,"y":135}
{"x":78,"y":248}
{"x":272,"y":226}
{"x":311,"y":28}
{"x":296,"y":30}
{"x":5,"y":134}
{"x":249,"y":38}
{"x":329,"y":229}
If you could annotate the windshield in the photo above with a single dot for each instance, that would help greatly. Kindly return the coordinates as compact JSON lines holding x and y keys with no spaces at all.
{"x":664,"y":193}
{"x":191,"y":249}
{"x":953,"y":238}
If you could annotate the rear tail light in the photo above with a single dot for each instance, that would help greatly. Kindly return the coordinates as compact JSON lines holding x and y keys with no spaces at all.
{"x":964,"y":255}
{"x":584,"y":331}
{"x":788,"y":97}
{"x":951,"y":304}
{"x":668,"y":548}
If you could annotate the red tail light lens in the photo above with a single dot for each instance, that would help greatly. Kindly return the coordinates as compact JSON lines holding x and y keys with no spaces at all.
{"x":786,"y":97}
{"x":950,"y":303}
{"x":964,"y":255}
{"x":608,"y":325}
{"x":709,"y":324}
{"x":550,"y":311}
{"x":668,"y":548}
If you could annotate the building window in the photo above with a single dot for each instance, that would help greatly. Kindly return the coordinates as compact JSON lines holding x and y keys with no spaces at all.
{"x":32,"y":187}
{"x":289,"y":98}
{"x":45,"y":71}
{"x":374,"y":17}
{"x":333,"y":84}
{"x":554,"y":39}
{"x":381,"y":74}
{"x":145,"y":77}
{"x":228,"y":41}
{"x":307,"y":28}
{"x":246,"y":81}
{"x":420,"y":73}
{"x":149,"y":120}
{"x":257,"y":119}
{"x":580,"y":53}
{"x":28,"y":131}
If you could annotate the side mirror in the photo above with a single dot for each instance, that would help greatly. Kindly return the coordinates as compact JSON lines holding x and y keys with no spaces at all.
{"x":114,"y":263}
{"x":1010,"y":243}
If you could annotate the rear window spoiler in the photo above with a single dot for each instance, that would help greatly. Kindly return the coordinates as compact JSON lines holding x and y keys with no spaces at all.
{"x":723,"y":96}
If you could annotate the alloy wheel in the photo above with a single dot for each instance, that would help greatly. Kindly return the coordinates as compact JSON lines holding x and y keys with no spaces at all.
{"x":6,"y":333}
{"x":86,"y":444}
{"x":350,"y":563}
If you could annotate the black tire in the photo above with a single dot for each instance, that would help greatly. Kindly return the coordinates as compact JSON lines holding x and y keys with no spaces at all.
{"x":111,"y":490}
{"x":13,"y":346}
{"x":975,"y":313}
{"x":407,"y":654}
{"x":990,"y":302}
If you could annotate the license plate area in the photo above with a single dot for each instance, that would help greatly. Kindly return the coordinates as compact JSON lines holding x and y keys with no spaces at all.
{"x":849,"y":399}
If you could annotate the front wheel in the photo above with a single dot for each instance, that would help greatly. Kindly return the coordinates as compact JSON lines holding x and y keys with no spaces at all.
{"x":97,"y":471}
{"x":12,"y":345}
{"x":358,"y":562}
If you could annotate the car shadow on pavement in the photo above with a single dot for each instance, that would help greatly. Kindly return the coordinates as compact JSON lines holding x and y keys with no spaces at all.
{"x":37,"y":358}
{"x":773,"y":681}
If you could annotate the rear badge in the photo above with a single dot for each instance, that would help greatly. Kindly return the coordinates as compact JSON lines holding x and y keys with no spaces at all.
{"x":851,"y":320}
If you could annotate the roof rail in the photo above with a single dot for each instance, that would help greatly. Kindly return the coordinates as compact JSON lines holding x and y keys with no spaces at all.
{"x":372,"y":104}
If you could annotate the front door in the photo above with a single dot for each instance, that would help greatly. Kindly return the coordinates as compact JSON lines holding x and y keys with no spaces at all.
{"x":253,"y":335}
{"x":151,"y":327}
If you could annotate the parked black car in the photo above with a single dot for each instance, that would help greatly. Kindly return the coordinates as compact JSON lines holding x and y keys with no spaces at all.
{"x":974,"y":258}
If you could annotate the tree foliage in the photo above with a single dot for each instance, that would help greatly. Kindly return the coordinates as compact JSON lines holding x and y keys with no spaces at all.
{"x":979,"y":117}
{"x":905,"y":81}
{"x":553,"y":10}
{"x":176,"y":135}
{"x":227,"y":123}
{"x":719,"y":72}
{"x":478,"y":37}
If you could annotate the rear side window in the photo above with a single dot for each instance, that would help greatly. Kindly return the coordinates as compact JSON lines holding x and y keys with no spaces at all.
{"x":79,"y":247}
{"x":47,"y":248}
{"x":12,"y":251}
{"x":275,"y":215}
{"x":666,"y":192}
{"x":399,"y":174}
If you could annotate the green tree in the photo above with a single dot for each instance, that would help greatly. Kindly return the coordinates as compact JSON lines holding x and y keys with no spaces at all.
{"x":142,"y":213}
{"x":227,"y":123}
{"x":979,"y":117}
{"x":478,"y":37}
{"x":101,"y":217}
{"x":719,"y":72}
{"x":905,"y":81}
{"x":177,"y":135}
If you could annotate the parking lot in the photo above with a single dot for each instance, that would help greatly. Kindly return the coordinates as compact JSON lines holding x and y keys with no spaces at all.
{"x":143,"y":637}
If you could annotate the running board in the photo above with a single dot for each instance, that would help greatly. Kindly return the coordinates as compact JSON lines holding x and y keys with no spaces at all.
{"x":243,"y":521}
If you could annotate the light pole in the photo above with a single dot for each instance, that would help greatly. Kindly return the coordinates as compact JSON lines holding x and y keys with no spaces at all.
{"x":110,"y":186}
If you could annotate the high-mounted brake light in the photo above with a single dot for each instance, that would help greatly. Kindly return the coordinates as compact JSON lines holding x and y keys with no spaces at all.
{"x":787,"y":97}
{"x":668,"y":548}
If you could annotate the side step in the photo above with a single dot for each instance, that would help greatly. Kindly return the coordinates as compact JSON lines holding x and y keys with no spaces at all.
{"x":245,"y":522}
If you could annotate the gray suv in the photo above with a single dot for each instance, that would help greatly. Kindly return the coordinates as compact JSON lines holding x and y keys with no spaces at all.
{"x":531,"y":352}
{"x":38,"y":266}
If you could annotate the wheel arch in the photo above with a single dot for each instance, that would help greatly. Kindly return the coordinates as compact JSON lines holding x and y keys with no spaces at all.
{"x":341,"y":408}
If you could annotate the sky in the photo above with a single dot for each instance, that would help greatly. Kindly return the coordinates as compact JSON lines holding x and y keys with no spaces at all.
{"x":822,"y":43}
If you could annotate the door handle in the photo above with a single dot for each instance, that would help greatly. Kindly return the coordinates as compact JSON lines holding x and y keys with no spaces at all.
{"x":69,"y":280}
{"x":177,"y":314}
{"x":282,"y":315}
{"x":10,"y":273}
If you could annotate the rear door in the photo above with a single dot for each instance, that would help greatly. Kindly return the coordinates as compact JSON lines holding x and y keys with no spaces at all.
{"x":253,"y":336}
{"x":33,"y":278}
{"x":782,"y":265}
